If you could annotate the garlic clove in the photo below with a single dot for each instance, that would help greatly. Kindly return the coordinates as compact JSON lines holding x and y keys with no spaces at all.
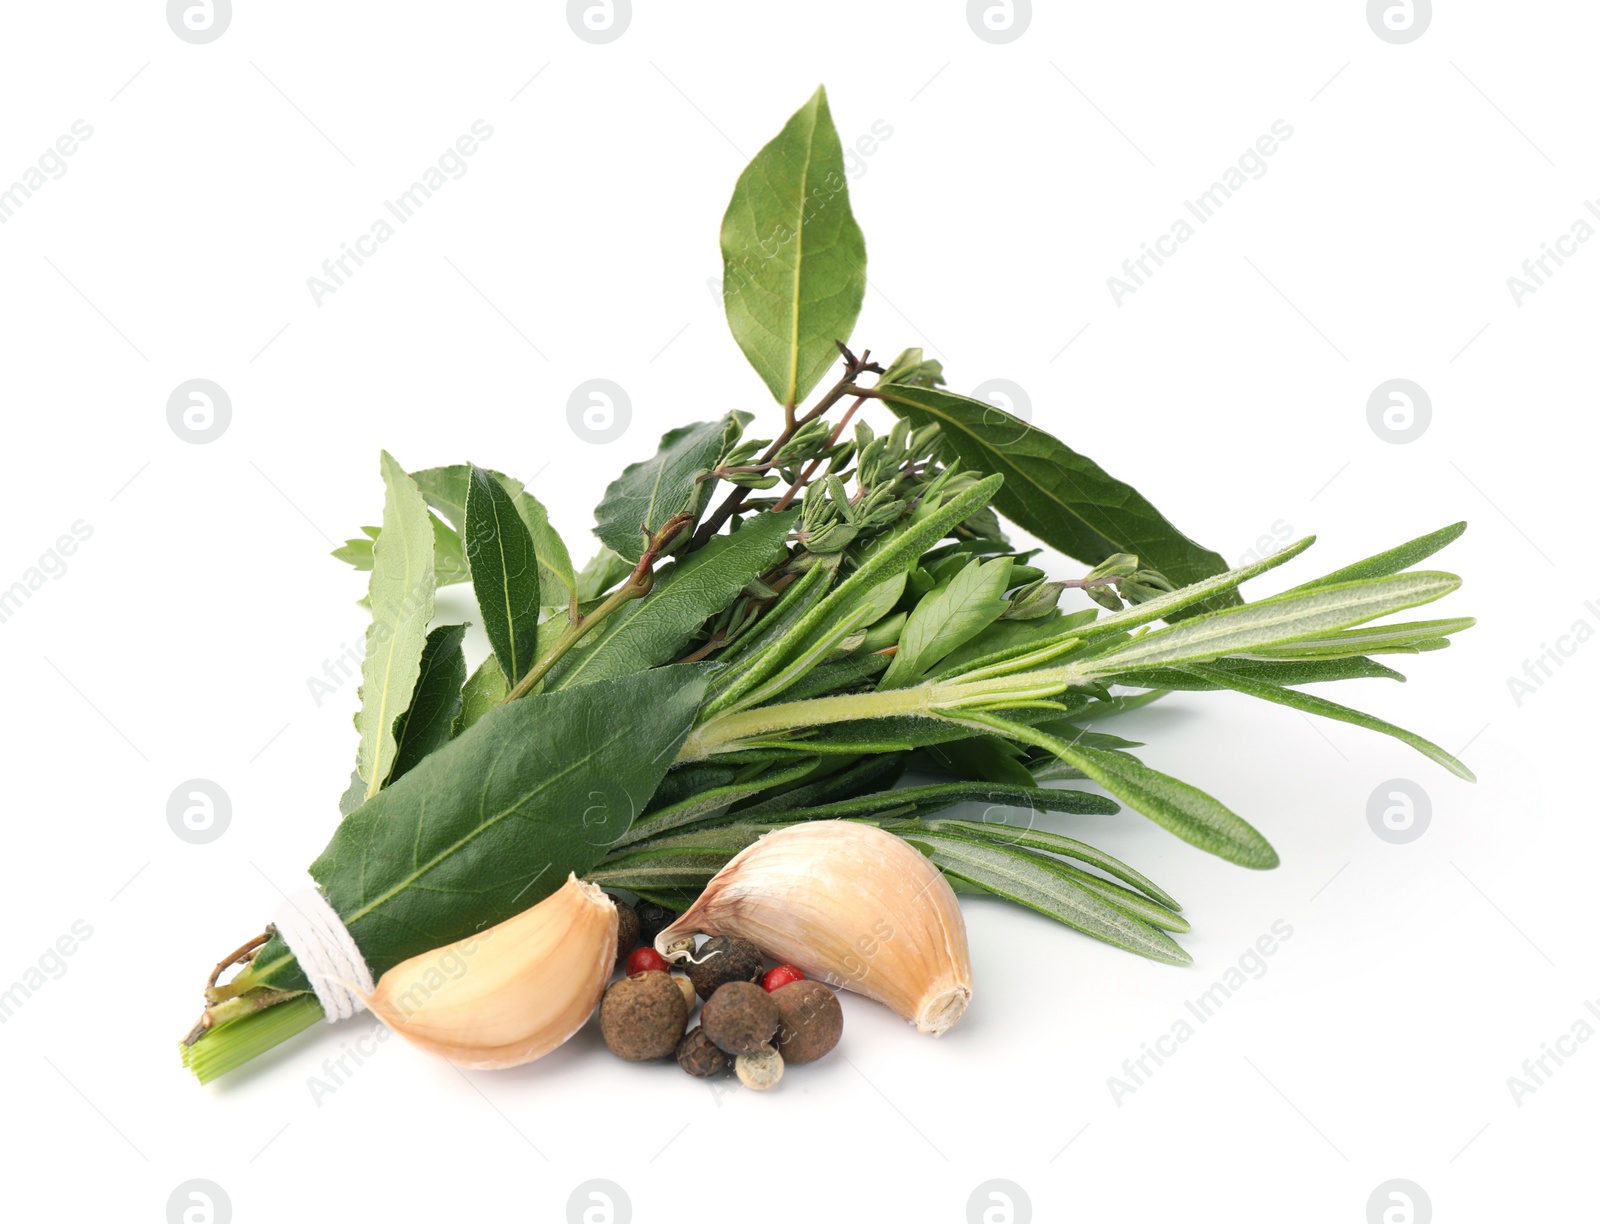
{"x":849,"y":905}
{"x":511,"y":994}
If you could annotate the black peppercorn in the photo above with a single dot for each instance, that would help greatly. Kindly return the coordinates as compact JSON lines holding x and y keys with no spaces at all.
{"x":700,"y":1056}
{"x":653,"y":919}
{"x":722,"y":960}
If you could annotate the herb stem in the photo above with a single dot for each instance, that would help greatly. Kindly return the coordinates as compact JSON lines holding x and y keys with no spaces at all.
{"x":730,"y":506}
{"x":805,"y":477}
{"x":933,"y":699}
{"x":221,"y":1049}
{"x":636,"y":587}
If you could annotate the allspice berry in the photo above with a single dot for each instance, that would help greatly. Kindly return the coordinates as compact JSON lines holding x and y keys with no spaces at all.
{"x":653,"y":919}
{"x":642,"y":1017}
{"x":810,"y":1021}
{"x":722,"y":960}
{"x":627,"y":927}
{"x":740,"y":1017}
{"x":699,"y":1055}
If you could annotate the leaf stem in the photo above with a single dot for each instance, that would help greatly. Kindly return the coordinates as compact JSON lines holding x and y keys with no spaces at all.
{"x":854,"y":368}
{"x":636,"y":587}
{"x":933,"y":699}
{"x":833,"y":440}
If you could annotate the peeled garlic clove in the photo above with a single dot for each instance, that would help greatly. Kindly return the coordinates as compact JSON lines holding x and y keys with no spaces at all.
{"x":511,"y":994}
{"x":850,"y":905}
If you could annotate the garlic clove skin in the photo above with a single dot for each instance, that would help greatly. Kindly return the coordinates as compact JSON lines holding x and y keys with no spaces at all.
{"x":511,"y":994}
{"x":849,"y":905}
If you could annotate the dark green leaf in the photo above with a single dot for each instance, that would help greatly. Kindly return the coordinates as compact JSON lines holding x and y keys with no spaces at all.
{"x":484,"y":690}
{"x":801,"y":596}
{"x":492,"y":822}
{"x":834,"y":677}
{"x":505,"y":573}
{"x":1309,"y":704}
{"x":1275,"y":620}
{"x":825,"y":621}
{"x":1391,"y":561}
{"x":548,"y":547}
{"x":709,"y":804}
{"x":1405,"y":638}
{"x":1026,"y":879}
{"x":950,"y":615}
{"x":937,"y":797}
{"x":1290,"y":672}
{"x":1183,"y":809}
{"x":982,"y":758}
{"x":1191,"y":596}
{"x":647,"y":494}
{"x":1054,"y":843}
{"x":604,"y":570}
{"x":446,"y":491}
{"x":1008,"y":639}
{"x":1058,"y":495}
{"x":657,"y":629}
{"x":435,"y":702}
{"x":794,"y":263}
{"x":899,"y":732}
{"x":831,"y":784}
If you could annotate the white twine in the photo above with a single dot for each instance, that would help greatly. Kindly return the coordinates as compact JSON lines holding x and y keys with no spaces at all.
{"x":326,"y":952}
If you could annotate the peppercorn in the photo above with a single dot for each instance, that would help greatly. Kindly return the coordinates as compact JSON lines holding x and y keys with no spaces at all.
{"x":687,"y":987}
{"x":722,"y":960}
{"x":627,"y":927}
{"x":740,"y":1017}
{"x":642,"y":1017}
{"x":810,"y":1020}
{"x":760,"y":1070}
{"x":646,"y":960}
{"x":653,"y":919}
{"x":699,"y":1055}
{"x":781,"y":976}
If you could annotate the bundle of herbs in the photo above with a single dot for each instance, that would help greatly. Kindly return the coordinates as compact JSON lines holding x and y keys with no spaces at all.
{"x":776,"y":629}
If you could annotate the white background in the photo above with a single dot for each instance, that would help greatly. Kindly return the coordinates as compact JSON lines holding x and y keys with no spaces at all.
{"x":1231,"y":388}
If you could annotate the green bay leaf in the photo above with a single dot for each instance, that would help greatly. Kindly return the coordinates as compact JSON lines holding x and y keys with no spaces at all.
{"x":435,"y":702}
{"x":794,"y":260}
{"x":505,"y":572}
{"x":484,"y":690}
{"x":1066,"y":499}
{"x":658,"y":628}
{"x":446,"y":491}
{"x":668,"y":483}
{"x":492,"y":822}
{"x":400,"y":594}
